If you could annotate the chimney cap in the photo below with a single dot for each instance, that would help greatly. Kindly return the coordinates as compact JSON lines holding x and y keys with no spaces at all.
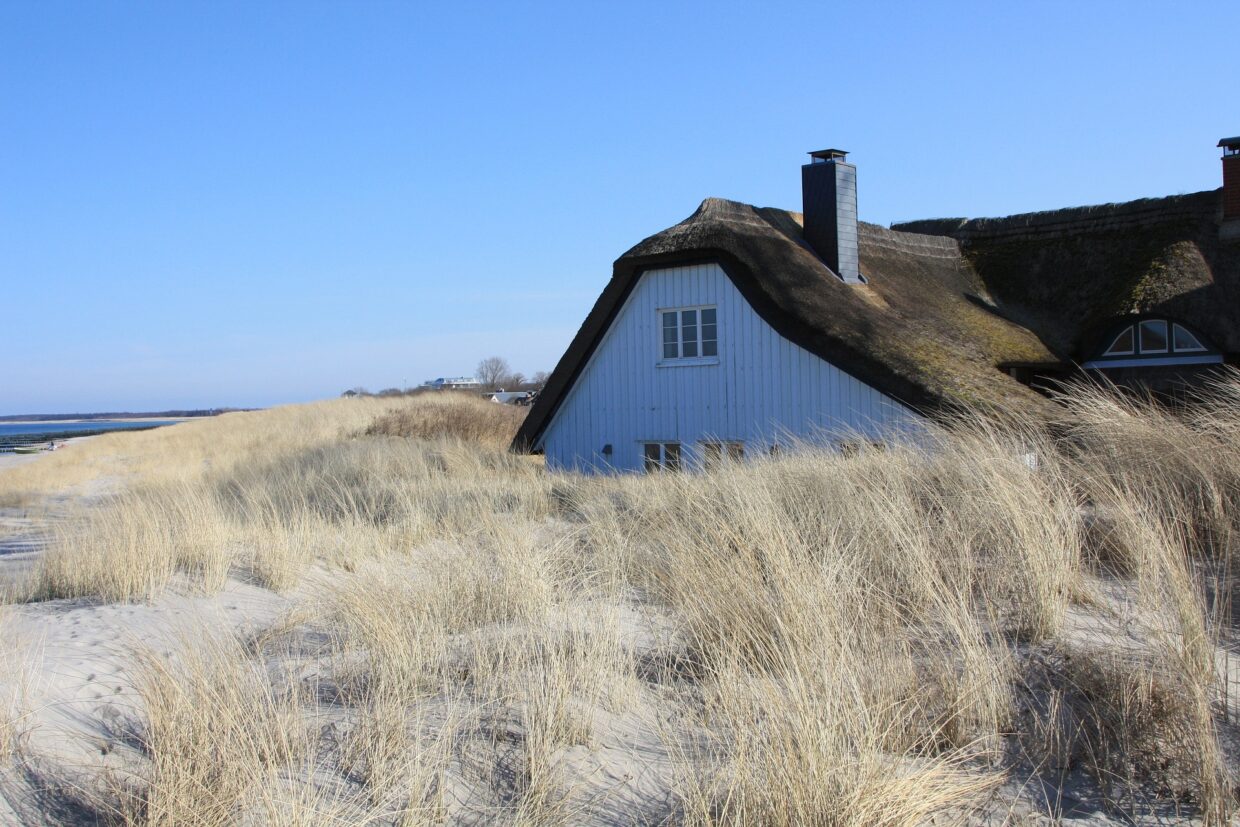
{"x":824,"y":155}
{"x":1230,"y":143}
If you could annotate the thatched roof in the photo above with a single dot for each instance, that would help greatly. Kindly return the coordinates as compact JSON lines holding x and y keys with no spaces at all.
{"x":1066,"y":274}
{"x":948,"y":302}
{"x":911,"y":332}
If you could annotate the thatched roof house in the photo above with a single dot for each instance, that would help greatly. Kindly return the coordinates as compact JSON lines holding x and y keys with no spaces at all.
{"x":925,"y":315}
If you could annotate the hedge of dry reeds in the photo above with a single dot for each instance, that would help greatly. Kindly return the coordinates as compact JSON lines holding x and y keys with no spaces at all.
{"x":914,"y":632}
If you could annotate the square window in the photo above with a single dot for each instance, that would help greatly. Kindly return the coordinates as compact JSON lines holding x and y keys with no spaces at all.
{"x":1154,"y":336}
{"x":715,"y":453}
{"x":660,"y":456}
{"x":689,"y":333}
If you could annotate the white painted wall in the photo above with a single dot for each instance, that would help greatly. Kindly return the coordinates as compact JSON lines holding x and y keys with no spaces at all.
{"x":761,"y":386}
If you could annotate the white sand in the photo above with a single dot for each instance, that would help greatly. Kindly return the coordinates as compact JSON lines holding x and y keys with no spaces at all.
{"x":81,"y":649}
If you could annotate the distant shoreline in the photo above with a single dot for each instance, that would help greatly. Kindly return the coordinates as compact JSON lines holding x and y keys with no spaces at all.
{"x":101,"y":419}
{"x":115,"y":416}
{"x":11,"y":460}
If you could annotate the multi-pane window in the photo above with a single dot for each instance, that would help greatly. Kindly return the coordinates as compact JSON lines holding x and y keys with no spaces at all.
{"x":661,"y":456}
{"x":690,"y":333}
{"x":713,"y":453}
{"x":1151,"y":336}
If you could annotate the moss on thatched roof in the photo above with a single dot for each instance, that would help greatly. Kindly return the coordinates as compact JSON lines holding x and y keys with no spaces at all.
{"x":1066,"y":274}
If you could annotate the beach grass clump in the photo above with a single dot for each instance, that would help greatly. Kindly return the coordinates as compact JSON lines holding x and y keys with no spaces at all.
{"x":884,"y":636}
{"x":293,"y":505}
{"x":215,"y":731}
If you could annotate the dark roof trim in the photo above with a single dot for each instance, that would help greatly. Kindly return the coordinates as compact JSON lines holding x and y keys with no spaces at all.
{"x":627,"y":272}
{"x":1230,"y":142}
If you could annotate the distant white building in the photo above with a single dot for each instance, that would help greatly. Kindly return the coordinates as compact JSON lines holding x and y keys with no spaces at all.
{"x":509,"y":397}
{"x":453,"y":383}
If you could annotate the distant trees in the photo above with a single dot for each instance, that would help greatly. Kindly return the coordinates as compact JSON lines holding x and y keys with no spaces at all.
{"x":494,"y":373}
{"x":491,"y":372}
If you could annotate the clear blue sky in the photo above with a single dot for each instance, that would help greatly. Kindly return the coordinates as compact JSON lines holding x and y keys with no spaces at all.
{"x":206,"y":204}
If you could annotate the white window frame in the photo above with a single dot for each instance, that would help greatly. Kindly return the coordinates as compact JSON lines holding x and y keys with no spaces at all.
{"x":1141,"y":348}
{"x":1111,"y":351}
{"x":717,"y":452}
{"x":699,"y":341}
{"x":1178,"y":327}
{"x":662,"y":459}
{"x":1143,"y":357}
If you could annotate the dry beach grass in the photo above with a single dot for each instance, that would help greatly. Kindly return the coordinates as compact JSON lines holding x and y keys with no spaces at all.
{"x":1010,"y":617}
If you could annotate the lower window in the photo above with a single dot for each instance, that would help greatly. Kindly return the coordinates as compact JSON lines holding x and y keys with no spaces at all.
{"x":714,"y":453}
{"x":661,"y":456}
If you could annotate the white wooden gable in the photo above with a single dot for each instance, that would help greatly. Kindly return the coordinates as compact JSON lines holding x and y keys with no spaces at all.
{"x":760,"y":390}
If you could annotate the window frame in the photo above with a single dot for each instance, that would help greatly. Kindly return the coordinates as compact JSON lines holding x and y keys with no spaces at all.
{"x":667,"y":456}
{"x":1166,"y":336}
{"x":1143,"y":355}
{"x":1130,"y":330}
{"x":716,"y":452}
{"x":699,"y":342}
{"x":1176,"y":327}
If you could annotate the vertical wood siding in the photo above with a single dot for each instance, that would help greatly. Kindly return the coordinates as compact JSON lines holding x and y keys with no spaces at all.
{"x":763,"y":386}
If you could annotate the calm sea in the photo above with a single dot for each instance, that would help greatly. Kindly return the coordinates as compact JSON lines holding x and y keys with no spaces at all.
{"x":18,"y":428}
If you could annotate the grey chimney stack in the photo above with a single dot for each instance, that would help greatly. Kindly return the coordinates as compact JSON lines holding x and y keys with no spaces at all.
{"x":829,"y":198}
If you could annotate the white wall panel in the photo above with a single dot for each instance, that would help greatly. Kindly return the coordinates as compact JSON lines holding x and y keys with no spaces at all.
{"x":762,"y":385}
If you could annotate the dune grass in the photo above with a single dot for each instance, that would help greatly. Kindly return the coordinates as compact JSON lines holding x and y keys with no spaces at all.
{"x":817,"y":638}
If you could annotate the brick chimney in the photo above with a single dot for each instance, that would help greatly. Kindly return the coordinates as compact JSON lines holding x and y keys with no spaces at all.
{"x":1229,"y":230}
{"x":1231,"y":177}
{"x":829,"y":199}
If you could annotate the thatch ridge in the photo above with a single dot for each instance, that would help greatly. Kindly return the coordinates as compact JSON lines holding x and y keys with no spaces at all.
{"x":1142,"y":212}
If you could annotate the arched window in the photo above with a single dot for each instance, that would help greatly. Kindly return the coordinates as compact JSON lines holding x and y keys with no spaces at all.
{"x":1152,"y":342}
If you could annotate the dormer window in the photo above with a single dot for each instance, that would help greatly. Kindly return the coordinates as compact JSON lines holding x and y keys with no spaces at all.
{"x":1154,"y":342}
